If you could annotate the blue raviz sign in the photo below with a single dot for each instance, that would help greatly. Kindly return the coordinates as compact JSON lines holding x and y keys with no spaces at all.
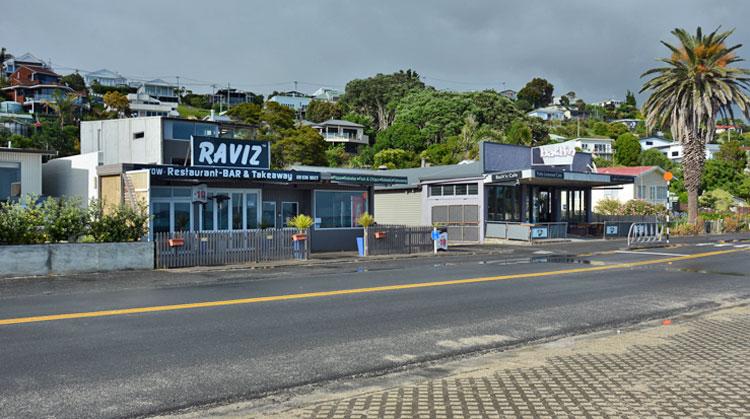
{"x":226,"y":152}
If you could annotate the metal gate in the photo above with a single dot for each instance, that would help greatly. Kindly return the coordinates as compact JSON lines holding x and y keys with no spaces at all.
{"x":462,"y":221}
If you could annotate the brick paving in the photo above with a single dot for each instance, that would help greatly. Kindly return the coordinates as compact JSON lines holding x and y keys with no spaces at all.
{"x":698,"y":367}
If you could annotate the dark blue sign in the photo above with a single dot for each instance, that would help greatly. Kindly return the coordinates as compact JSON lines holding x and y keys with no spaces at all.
{"x":228,"y":173}
{"x":225,"y":152}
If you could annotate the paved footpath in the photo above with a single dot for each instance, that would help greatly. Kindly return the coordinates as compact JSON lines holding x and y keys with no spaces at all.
{"x":699,"y":366}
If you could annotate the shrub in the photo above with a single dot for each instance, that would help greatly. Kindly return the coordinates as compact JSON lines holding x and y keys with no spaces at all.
{"x":118,"y":224}
{"x":608,"y":206}
{"x":641,"y":207}
{"x":21,"y":222}
{"x":64,"y":219}
{"x":685,"y":229}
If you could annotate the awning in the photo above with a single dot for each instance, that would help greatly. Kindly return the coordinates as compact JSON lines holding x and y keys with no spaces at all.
{"x":556,"y":178}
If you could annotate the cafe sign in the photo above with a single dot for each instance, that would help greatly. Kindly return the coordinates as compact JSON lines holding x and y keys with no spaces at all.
{"x":226,"y":152}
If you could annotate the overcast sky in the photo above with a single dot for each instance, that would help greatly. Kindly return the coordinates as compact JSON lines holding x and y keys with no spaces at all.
{"x":596,"y":48}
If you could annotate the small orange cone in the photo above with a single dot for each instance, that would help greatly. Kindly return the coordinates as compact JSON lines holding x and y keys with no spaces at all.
{"x":666,"y":322}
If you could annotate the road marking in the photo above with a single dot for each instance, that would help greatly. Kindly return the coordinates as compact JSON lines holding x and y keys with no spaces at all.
{"x":635,"y":252}
{"x":287,"y":297}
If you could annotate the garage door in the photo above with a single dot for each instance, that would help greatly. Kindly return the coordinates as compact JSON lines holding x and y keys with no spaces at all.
{"x":462,"y":221}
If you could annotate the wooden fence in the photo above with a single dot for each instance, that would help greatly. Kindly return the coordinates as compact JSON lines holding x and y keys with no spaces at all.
{"x":205,"y":248}
{"x":394,"y":239}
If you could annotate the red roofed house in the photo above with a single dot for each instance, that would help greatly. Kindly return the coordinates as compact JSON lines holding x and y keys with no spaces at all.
{"x":33,"y":85}
{"x":649,"y":185}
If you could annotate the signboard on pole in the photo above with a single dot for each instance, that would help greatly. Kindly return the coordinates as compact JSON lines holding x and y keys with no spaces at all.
{"x":200,"y":193}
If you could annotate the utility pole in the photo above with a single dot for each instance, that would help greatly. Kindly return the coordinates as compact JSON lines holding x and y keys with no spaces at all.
{"x":295,"y":85}
{"x":229,"y":86}
{"x":178,"y":89}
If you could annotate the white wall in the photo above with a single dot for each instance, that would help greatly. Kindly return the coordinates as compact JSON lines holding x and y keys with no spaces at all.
{"x":73,"y":176}
{"x":31,"y":170}
{"x":117,"y":142}
{"x":398,"y":207}
{"x":624,"y":193}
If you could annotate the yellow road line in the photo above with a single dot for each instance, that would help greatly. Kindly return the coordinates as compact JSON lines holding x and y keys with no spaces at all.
{"x":285,"y":297}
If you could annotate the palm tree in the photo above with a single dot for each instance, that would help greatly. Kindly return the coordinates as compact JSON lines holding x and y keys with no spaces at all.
{"x":62,"y":104}
{"x":688,"y":94}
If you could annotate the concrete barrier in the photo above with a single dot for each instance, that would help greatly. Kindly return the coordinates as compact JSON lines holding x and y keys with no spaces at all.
{"x":69,"y":258}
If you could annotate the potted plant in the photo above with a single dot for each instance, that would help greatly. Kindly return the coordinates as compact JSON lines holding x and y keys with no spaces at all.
{"x":365,"y":220}
{"x":302,"y":223}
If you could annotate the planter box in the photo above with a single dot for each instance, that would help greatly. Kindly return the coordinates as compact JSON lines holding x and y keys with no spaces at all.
{"x":69,"y":258}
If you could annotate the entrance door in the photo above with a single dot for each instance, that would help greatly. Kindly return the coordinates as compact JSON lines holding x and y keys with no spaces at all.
{"x":288,"y":210}
{"x":541,"y":205}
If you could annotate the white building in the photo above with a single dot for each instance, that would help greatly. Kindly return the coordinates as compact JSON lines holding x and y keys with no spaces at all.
{"x":327,"y":94}
{"x":654,"y":142}
{"x":106,"y":78}
{"x":73,"y":176}
{"x":598,"y":147}
{"x":142,"y":104}
{"x":550,"y":113}
{"x":674,"y":151}
{"x":20,"y":172}
{"x":337,"y":131}
{"x":649,"y":185}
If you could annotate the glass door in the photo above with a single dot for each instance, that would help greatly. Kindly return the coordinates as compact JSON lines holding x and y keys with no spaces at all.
{"x":288,"y":210}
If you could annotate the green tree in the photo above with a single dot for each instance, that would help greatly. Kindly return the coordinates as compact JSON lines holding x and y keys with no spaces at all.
{"x":321,"y":110}
{"x":247,"y":113}
{"x":439,"y":154}
{"x":537,"y":92}
{"x":302,"y":145}
{"x":627,"y":150}
{"x":378,"y":96}
{"x":654,"y":157}
{"x":395,"y":158}
{"x":688,"y":93}
{"x":717,"y":199}
{"x":400,"y":135}
{"x":277,"y":117}
{"x":616,"y":129}
{"x":74,"y":81}
{"x":117,"y":101}
{"x":336,"y":156}
{"x":518,"y":133}
{"x":630,"y":99}
{"x":732,"y":153}
{"x":720,"y":174}
{"x":602,"y":162}
{"x":63,"y":104}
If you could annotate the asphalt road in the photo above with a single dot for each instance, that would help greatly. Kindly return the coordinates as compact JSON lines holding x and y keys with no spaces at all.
{"x":142,"y":363}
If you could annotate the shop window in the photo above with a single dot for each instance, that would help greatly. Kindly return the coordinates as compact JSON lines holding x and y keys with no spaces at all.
{"x":10,"y":180}
{"x":208,"y":215}
{"x":503,"y":203}
{"x":339,"y":209}
{"x":161,"y":221}
{"x":251,"y":210}
{"x":268,"y":215}
{"x":181,"y":216}
{"x":237,"y":205}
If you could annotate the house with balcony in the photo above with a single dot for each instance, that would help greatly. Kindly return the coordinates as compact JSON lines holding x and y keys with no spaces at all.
{"x":351,"y":135}
{"x":35,"y":87}
{"x":598,"y":147}
{"x":154,"y":98}
{"x":327,"y":94}
{"x":160,"y":90}
{"x":11,"y":64}
{"x":297,"y":101}
{"x":14,"y":119}
{"x":106,"y":78}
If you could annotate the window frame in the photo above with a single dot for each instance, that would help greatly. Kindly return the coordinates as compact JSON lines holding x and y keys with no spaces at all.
{"x":315,"y":207}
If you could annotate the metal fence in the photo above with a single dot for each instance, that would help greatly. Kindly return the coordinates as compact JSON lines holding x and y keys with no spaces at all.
{"x":205,"y":248}
{"x":525,"y":231}
{"x":395,"y":239}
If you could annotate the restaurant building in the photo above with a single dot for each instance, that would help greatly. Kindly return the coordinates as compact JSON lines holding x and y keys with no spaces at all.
{"x":508,"y":189}
{"x":202,"y":176}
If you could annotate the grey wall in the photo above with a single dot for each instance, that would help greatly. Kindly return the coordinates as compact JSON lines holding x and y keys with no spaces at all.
{"x":68,"y":258}
{"x":505,"y":157}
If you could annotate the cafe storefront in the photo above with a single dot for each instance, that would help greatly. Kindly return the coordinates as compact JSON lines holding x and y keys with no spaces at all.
{"x":245,"y":194}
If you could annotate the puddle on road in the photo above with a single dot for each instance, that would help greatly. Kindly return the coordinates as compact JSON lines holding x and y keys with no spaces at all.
{"x":703,"y":271}
{"x":539,"y":259}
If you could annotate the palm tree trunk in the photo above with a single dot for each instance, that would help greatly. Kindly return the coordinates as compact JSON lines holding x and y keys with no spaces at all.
{"x":692,"y":162}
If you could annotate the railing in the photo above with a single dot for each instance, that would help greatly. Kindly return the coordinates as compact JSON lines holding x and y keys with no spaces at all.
{"x":525,"y":231}
{"x":205,"y":248}
{"x":645,"y":234}
{"x":396,"y":239}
